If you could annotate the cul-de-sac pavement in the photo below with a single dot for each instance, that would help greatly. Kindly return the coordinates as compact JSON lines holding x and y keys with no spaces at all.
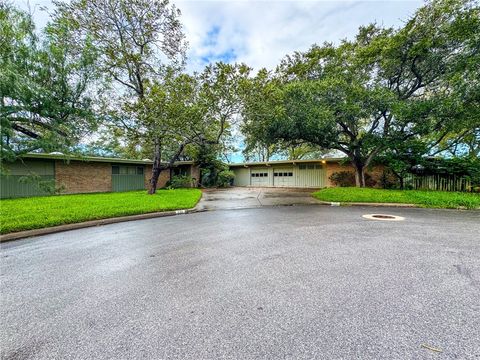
{"x":258,"y":281}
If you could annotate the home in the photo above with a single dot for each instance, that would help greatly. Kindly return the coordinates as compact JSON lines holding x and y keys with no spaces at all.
{"x":32,"y":174}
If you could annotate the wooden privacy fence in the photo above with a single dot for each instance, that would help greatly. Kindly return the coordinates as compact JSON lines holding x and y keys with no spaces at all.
{"x":438,"y":182}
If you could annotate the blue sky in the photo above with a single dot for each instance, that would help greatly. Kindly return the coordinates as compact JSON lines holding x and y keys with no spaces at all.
{"x":261,"y":33}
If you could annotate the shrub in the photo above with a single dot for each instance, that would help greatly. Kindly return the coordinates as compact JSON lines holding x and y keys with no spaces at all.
{"x":179,"y":181}
{"x":343,"y":178}
{"x":347,"y":179}
{"x":225,"y":178}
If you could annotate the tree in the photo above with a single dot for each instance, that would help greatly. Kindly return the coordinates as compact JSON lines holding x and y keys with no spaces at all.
{"x":45,"y":86}
{"x":380,"y":90}
{"x":139,"y":43}
{"x":190,"y":114}
{"x":136,"y":40}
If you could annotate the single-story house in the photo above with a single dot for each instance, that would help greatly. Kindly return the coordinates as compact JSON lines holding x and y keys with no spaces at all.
{"x":293,"y":173}
{"x":73,"y":174}
{"x":33,"y":173}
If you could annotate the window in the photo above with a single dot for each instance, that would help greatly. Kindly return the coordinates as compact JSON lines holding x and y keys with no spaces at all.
{"x":265,"y":174}
{"x":302,"y":167}
{"x":127,"y":170}
{"x":310,"y":166}
{"x":290,"y":174}
{"x":180,"y":170}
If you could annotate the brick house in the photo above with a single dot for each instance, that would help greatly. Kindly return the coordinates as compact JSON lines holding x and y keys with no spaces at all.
{"x":84,"y":174}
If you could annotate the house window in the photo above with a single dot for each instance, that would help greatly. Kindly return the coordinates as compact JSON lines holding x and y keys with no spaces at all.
{"x":302,"y":167}
{"x":127,"y":170}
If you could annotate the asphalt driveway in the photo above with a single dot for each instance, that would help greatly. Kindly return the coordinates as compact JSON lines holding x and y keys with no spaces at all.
{"x":297,"y":282}
{"x":251,"y":197}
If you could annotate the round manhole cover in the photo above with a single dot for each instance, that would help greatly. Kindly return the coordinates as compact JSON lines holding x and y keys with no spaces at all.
{"x":384,"y":217}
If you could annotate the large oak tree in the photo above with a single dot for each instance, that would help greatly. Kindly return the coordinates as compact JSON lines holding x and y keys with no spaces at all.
{"x":382,"y":89}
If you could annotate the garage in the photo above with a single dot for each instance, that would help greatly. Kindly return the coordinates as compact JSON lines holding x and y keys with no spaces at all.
{"x":260,"y":177}
{"x":288,"y":173}
{"x":284,"y":177}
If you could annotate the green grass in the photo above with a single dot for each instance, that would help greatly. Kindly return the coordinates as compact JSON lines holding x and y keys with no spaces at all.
{"x":430,"y":199}
{"x":39,"y":212}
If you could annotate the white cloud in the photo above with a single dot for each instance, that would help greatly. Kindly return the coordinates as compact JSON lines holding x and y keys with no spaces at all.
{"x":262,"y":32}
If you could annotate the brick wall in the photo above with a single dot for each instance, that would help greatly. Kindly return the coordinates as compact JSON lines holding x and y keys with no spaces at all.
{"x":83,"y":177}
{"x":162,"y":180}
{"x":375,"y":172}
{"x":333,"y":167}
{"x":195,"y":174}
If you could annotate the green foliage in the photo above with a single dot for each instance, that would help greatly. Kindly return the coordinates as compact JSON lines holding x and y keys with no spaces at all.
{"x":347,"y":179}
{"x":389,"y":91}
{"x":136,"y":40}
{"x":225,"y":178}
{"x":343,"y":178}
{"x":429,"y":199}
{"x":210,"y":167}
{"x":45,"y":98}
{"x":47,"y":186}
{"x":40,"y":212}
{"x":179,"y":181}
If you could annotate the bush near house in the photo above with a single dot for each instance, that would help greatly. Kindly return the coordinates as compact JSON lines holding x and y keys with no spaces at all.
{"x":39,"y":212}
{"x":180,"y":181}
{"x":347,"y":179}
{"x":429,"y":199}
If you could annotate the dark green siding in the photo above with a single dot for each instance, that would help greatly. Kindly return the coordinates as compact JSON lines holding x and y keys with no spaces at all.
{"x":122,"y":182}
{"x":127,"y":177}
{"x":23,"y":179}
{"x":13,"y":186}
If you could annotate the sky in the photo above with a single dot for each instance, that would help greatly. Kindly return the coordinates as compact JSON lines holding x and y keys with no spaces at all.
{"x":261,"y":33}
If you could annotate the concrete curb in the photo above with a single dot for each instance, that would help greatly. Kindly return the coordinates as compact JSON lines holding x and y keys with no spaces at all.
{"x":332,"y":203}
{"x":85,"y":224}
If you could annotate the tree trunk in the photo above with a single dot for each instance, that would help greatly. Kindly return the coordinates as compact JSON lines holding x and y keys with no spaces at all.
{"x":156,"y":168}
{"x":359,"y":173}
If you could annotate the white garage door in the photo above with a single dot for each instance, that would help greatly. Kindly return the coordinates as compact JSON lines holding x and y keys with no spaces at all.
{"x":284,"y":177}
{"x":259,"y":178}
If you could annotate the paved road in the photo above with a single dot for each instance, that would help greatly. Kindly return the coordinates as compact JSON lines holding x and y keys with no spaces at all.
{"x":271,"y":283}
{"x":251,"y":197}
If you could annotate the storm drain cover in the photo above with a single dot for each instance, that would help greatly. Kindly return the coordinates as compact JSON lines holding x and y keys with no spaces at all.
{"x":384,"y":217}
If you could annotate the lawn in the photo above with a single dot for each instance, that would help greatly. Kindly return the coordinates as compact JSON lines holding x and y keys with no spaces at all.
{"x":39,"y":212}
{"x":430,"y":199}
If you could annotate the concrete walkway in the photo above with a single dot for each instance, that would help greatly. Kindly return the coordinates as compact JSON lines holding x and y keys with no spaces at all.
{"x":242,"y":198}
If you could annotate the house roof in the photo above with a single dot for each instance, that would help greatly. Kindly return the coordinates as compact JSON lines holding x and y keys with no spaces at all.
{"x":287,"y":162}
{"x":57,"y":156}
